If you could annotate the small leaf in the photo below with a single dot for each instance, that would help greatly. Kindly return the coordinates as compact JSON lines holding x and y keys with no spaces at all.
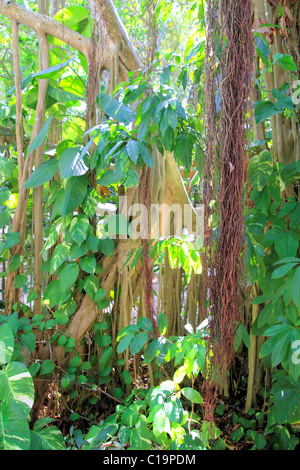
{"x":124,"y":343}
{"x":47,"y":367}
{"x":107,"y":246}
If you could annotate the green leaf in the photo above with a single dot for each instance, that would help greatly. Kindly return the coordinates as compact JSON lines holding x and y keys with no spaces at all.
{"x":88,"y":264}
{"x":106,"y":357}
{"x":49,"y":438}
{"x":237,"y":435}
{"x":264,"y":110}
{"x":15,"y":263}
{"x":146,"y":155}
{"x":14,"y":427}
{"x":58,"y":257}
{"x":260,"y":441}
{"x":124,"y":343}
{"x":145,"y":324}
{"x":39,"y":139}
{"x":192,"y":395}
{"x":286,"y":245}
{"x":4,"y":216}
{"x":162,"y":324}
{"x":116,"y":110}
{"x":138,"y":342}
{"x":72,"y":162}
{"x":29,"y":340}
{"x":6,"y":343}
{"x":126,"y":377}
{"x":133,"y":150}
{"x":260,"y":169}
{"x":75,"y":361}
{"x":62,"y":96}
{"x":20,"y":281}
{"x":280,"y":349}
{"x":44,"y":172}
{"x":16,"y":385}
{"x":68,"y":276}
{"x":144,"y":126}
{"x":282,"y":270}
{"x":78,"y":229}
{"x":91,"y":285}
{"x":160,"y":422}
{"x":47,"y":367}
{"x":74,"y":194}
{"x":107,"y":246}
{"x":52,"y":71}
{"x":100,"y":295}
{"x":152,"y":350}
{"x":53,"y":293}
{"x":296,"y":288}
{"x":286,"y":62}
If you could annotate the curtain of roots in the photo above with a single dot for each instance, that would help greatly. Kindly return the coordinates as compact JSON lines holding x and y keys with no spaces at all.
{"x":229,"y":65}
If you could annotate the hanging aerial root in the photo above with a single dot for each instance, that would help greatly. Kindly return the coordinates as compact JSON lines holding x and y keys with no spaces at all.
{"x":229,"y":65}
{"x":145,"y":198}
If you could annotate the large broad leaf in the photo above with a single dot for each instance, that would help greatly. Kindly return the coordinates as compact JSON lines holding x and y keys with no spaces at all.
{"x":44,"y":172}
{"x":133,"y":150}
{"x":16,"y":385}
{"x":146,"y":155}
{"x":160,"y":422}
{"x":39,"y":139}
{"x":52,"y":71}
{"x":286,"y":62}
{"x":62,"y":96}
{"x":264,"y":110}
{"x":74,"y":194}
{"x":6,"y":343}
{"x":76,"y":18}
{"x":116,"y":110}
{"x":49,"y":438}
{"x":72,"y":162}
{"x":14,"y":427}
{"x":260,"y":169}
{"x":286,"y":245}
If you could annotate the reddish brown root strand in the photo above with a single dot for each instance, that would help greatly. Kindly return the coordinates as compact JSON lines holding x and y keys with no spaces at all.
{"x":145,"y":198}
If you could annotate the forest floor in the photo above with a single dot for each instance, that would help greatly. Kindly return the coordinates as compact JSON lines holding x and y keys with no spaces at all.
{"x":235,"y":426}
